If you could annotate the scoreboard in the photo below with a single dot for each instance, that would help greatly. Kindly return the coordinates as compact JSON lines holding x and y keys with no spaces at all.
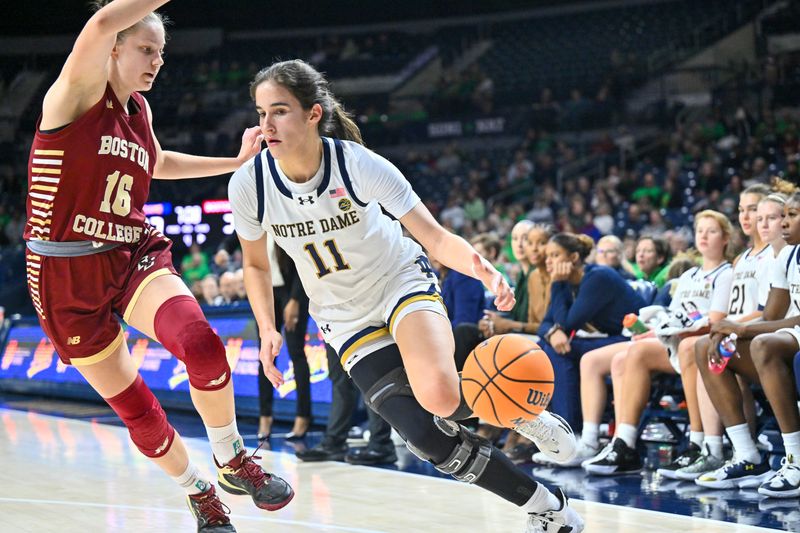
{"x":192,"y":223}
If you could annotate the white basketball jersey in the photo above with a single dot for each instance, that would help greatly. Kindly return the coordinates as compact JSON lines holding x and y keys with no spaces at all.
{"x":745,"y":288}
{"x":703,"y":292}
{"x":786,"y":275}
{"x":332,"y":226}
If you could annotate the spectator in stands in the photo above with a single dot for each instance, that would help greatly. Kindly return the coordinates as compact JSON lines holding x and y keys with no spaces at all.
{"x":240,"y":290}
{"x":222,"y":263}
{"x":194,"y":265}
{"x":453,"y":216}
{"x":228,"y":286}
{"x":701,"y":295}
{"x":587,"y":305}
{"x":210,"y":287}
{"x":652,"y":260}
{"x":649,"y":190}
{"x":474,"y":207}
{"x":610,"y":254}
{"x":521,"y":168}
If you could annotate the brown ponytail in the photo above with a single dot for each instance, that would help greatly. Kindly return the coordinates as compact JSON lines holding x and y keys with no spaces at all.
{"x":343,"y":125}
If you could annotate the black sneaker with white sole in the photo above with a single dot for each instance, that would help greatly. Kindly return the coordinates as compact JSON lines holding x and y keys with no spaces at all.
{"x":619,"y":460}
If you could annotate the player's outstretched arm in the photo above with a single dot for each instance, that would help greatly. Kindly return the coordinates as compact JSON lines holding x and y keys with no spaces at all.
{"x":456,"y":253}
{"x":177,"y":165}
{"x":258,"y":285}
{"x":83,"y":78}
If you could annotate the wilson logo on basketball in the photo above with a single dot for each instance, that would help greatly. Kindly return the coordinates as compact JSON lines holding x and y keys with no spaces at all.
{"x":538,"y":398}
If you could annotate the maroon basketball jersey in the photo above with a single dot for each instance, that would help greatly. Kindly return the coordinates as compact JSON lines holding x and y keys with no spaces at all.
{"x":89,"y":180}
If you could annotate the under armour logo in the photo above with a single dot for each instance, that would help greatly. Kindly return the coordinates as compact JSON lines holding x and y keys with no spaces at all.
{"x":326,"y":328}
{"x":307,"y":199}
{"x":146,"y":262}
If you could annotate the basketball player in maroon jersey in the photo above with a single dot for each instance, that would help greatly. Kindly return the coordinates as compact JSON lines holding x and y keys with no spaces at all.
{"x":91,"y":254}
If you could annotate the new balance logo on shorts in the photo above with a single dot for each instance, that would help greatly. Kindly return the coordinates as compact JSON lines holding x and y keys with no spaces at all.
{"x":72,"y":341}
{"x":146,"y":262}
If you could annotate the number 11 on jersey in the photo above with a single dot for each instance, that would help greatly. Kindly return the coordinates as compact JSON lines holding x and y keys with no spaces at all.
{"x":322,"y":269}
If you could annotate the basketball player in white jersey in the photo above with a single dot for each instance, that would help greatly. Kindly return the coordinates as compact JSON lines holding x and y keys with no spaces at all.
{"x":373,"y":293}
{"x":766,"y":352}
{"x":701,"y":292}
{"x":748,"y":295}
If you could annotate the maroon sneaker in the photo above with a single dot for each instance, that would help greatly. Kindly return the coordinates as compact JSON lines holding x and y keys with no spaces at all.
{"x":211,"y":514}
{"x":242,"y":475}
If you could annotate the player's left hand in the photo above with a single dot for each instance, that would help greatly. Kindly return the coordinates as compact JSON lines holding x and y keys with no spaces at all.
{"x":270,"y":348}
{"x":252,"y":139}
{"x":494,"y":281}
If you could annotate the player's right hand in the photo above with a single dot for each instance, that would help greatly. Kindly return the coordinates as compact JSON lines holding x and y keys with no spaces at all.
{"x":270,"y":348}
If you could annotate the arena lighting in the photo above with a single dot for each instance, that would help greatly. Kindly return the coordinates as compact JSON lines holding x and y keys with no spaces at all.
{"x":213,"y":207}
{"x":159,"y":208}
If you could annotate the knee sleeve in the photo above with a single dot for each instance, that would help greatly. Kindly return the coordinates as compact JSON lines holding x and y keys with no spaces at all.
{"x":183,"y":330}
{"x":450,"y":447}
{"x":147,"y":424}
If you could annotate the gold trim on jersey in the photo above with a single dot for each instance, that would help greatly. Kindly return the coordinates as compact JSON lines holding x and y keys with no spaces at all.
{"x":45,"y":177}
{"x":418,"y":298}
{"x":101,"y":355}
{"x":370,"y":337}
{"x":43,"y":170}
{"x":153,"y":275}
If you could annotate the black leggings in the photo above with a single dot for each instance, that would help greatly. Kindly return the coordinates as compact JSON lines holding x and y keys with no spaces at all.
{"x":295,"y":343}
{"x":417,"y":427}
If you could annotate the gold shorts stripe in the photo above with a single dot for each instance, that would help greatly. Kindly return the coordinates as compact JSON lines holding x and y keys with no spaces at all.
{"x":377,"y":334}
{"x":102,"y":354}
{"x":417,"y":298}
{"x":153,"y":275}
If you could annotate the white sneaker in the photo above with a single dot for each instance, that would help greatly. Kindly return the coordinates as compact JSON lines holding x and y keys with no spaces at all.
{"x":785,"y":483}
{"x":552,"y":435}
{"x":585,"y":451}
{"x":563,"y":520}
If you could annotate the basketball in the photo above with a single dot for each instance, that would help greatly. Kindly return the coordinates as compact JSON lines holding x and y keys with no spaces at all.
{"x":507,"y":380}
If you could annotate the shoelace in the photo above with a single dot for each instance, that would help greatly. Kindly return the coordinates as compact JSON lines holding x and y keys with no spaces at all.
{"x":539,"y":431}
{"x":213,"y":510}
{"x":786,"y":466}
{"x":251,"y":471}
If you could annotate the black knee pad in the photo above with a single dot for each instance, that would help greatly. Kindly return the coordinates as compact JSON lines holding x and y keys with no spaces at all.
{"x":451,"y":448}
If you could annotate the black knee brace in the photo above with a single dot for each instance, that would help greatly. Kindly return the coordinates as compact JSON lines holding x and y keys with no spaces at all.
{"x":450,"y":447}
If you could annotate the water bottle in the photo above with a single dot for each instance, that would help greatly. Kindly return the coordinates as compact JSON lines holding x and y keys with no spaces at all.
{"x":726,"y":349}
{"x":634,"y":325}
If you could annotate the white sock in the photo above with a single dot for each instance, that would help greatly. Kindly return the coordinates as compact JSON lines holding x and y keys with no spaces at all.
{"x":714,"y":445}
{"x":191,"y":481}
{"x":744,"y":447}
{"x":791,"y":443}
{"x":627,"y":433}
{"x":541,"y":501}
{"x":591,"y":431}
{"x":696,"y":437}
{"x":226,"y":443}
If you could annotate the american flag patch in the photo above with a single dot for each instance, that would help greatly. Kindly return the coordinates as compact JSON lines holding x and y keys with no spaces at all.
{"x":336,"y":193}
